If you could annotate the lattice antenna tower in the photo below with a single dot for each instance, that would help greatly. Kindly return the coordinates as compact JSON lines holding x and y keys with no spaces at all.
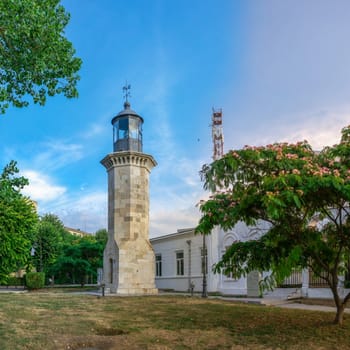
{"x":217,"y":134}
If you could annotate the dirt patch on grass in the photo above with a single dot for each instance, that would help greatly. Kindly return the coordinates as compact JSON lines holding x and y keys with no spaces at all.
{"x":89,"y":342}
{"x":318,"y":301}
{"x":148,"y":339}
{"x":110,"y":331}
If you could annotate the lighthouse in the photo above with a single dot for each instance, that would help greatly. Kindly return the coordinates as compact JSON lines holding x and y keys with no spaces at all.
{"x":128,"y":261}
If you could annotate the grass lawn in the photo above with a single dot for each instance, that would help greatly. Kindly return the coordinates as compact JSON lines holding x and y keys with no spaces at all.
{"x":72,"y":321}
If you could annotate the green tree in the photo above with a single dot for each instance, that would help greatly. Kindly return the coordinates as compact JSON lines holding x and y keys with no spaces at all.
{"x":101,"y":236}
{"x":49,"y":235}
{"x":35,"y":57}
{"x":78,"y":261}
{"x":300,"y":201}
{"x":17,"y":220}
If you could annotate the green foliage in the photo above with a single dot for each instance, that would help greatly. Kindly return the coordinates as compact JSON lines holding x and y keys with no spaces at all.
{"x":35,"y":57}
{"x":55,"y":248}
{"x":17,"y":220}
{"x":49,"y":236}
{"x":101,"y":236}
{"x":15,"y":281}
{"x":297,"y":198}
{"x":78,"y":261}
{"x":35,"y":280}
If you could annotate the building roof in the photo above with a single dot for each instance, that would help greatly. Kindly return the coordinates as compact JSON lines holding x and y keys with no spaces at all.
{"x":180,"y":232}
{"x":77,"y":232}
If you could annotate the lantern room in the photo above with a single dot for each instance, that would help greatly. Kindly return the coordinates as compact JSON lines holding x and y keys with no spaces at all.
{"x":127,"y":130}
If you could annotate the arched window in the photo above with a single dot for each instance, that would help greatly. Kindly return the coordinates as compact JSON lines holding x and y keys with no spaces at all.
{"x":228,"y":240}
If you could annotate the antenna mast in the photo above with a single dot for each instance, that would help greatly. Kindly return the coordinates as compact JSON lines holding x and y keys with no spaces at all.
{"x":217,"y":134}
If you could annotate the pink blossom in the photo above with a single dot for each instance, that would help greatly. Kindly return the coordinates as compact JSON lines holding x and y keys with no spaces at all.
{"x":336,"y":172}
{"x":291,"y":156}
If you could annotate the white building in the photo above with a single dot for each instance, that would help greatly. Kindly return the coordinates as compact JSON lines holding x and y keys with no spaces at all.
{"x":180,"y":260}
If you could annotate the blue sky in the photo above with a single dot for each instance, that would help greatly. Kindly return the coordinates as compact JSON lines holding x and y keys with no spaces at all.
{"x":280,"y":70}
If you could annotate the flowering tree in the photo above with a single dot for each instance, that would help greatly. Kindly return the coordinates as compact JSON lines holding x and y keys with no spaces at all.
{"x":301,"y":197}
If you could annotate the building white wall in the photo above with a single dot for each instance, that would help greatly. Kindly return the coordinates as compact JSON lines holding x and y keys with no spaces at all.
{"x":192,"y":245}
{"x":167,"y":246}
{"x":216,"y":243}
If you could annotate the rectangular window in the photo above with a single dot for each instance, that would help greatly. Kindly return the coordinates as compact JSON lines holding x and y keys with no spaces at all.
{"x":180,"y":263}
{"x":204,"y":260}
{"x":158,"y":264}
{"x":228,"y":275}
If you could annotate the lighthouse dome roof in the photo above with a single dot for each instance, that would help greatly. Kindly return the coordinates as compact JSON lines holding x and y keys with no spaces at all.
{"x":127,"y":111}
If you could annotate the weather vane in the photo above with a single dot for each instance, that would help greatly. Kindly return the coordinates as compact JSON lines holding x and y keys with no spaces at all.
{"x":126,"y":90}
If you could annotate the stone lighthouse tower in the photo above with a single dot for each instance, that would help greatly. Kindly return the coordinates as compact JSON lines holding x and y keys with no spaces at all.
{"x":129,"y":262}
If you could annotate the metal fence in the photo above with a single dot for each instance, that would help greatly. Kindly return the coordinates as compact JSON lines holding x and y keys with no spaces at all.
{"x":294,"y":280}
{"x":317,"y":281}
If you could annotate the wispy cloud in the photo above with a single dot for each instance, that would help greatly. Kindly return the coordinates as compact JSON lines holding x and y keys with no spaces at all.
{"x":162,"y":135}
{"x":79,"y":207}
{"x":94,"y":130}
{"x":55,"y":154}
{"x":174,"y":206}
{"x":320,"y":128}
{"x":87,"y":212}
{"x":169,"y":221}
{"x":41,"y":188}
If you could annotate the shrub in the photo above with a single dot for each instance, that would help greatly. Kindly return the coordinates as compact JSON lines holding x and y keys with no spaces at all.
{"x":35,"y":280}
{"x":15,"y":281}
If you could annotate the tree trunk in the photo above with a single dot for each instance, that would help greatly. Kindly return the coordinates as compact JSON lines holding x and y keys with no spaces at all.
{"x":339,"y":303}
{"x":340,"y":315}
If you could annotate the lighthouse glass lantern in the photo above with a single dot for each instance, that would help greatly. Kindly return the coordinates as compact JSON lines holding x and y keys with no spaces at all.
{"x":127,"y":130}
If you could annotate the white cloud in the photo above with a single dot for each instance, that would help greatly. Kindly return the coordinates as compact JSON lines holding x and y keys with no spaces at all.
{"x":92,"y":201}
{"x":80,"y":210}
{"x":164,"y":222}
{"x":319,"y":129}
{"x":87,"y":212}
{"x":174,"y":207}
{"x":57,"y":154}
{"x":41,"y":187}
{"x":96,"y":129}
